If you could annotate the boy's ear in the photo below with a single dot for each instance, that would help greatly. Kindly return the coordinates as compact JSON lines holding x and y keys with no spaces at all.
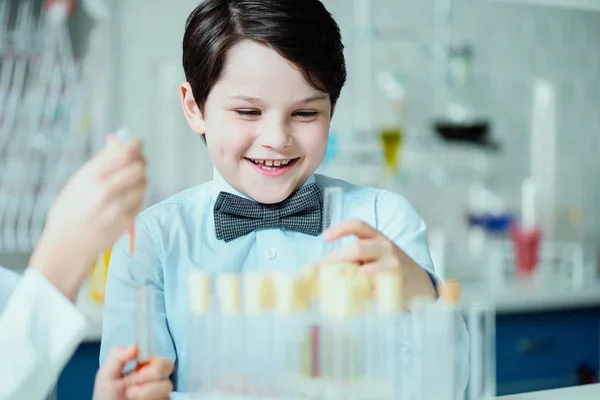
{"x":192,"y":112}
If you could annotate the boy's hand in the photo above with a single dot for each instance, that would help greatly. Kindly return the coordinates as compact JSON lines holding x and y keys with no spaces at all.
{"x":95,"y":207}
{"x":148,"y":383}
{"x":151,"y":382}
{"x":110,"y":382}
{"x":374,"y":253}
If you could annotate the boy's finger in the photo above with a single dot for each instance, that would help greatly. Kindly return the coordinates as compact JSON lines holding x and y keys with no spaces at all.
{"x":360,"y":251}
{"x":117,"y":359}
{"x":157,"y":390}
{"x":157,"y":369}
{"x":355,"y":227}
{"x":372,"y":268}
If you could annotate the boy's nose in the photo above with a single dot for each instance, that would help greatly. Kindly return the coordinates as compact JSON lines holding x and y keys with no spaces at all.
{"x":275,"y":136}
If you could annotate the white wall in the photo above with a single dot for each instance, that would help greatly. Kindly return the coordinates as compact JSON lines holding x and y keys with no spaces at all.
{"x":148,"y":95}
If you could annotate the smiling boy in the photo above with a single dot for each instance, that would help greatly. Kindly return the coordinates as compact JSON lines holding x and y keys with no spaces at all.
{"x":262,"y":81}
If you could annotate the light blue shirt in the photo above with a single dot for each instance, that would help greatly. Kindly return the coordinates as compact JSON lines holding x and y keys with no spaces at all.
{"x":178,"y":234}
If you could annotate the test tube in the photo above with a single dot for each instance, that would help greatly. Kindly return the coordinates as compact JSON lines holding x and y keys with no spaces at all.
{"x":348,"y":307}
{"x":333,"y":203}
{"x":309,"y":276}
{"x":228,"y":361}
{"x":482,"y":371}
{"x":447,"y":324}
{"x":201,"y":333}
{"x":258,"y":360}
{"x":389,"y":351}
{"x":146,"y":320}
{"x":292,"y":304}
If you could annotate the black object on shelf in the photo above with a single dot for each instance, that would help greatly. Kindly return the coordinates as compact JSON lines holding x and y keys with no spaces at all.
{"x":475,"y":132}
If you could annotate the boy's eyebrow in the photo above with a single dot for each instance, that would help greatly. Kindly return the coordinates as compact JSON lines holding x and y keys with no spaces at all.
{"x":255,"y":100}
{"x":316,"y":97}
{"x":249,"y":99}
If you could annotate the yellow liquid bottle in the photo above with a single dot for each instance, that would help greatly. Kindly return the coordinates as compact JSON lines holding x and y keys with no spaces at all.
{"x":391,"y":141}
{"x":98,"y":277}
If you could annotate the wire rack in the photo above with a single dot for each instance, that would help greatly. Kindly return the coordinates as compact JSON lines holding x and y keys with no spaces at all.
{"x":46,"y":115}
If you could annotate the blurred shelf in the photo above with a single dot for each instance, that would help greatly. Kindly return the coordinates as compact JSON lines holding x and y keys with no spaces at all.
{"x":590,"y":5}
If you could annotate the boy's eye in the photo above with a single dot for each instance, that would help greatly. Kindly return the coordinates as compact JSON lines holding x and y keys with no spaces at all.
{"x":305,"y":114}
{"x":248,"y":113}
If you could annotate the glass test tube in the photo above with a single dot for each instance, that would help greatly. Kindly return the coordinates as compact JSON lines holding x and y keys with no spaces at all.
{"x":481,"y":328}
{"x":258,"y":360}
{"x":389,"y":377}
{"x":201,"y":340}
{"x":311,"y":358}
{"x":447,"y":324}
{"x":345,"y":322}
{"x":146,"y":319}
{"x":333,"y":203}
{"x":292,"y":302}
{"x":423,"y":359}
{"x":228,"y":361}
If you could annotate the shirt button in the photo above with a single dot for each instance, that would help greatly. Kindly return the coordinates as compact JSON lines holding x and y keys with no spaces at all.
{"x":270,"y":253}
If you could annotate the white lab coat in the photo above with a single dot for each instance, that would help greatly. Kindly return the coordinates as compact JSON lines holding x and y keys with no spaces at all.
{"x":39,"y":331}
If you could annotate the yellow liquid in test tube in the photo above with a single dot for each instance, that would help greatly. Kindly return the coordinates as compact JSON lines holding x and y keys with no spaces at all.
{"x":99,"y":275}
{"x":391,"y":141}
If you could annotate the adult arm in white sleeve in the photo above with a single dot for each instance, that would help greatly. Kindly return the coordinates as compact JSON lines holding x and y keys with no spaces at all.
{"x":39,"y":331}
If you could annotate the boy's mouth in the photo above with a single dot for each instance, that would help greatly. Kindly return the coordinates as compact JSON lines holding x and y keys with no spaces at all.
{"x":273,"y":165}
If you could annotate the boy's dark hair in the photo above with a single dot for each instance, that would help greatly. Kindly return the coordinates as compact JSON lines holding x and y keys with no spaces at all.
{"x":302,"y":31}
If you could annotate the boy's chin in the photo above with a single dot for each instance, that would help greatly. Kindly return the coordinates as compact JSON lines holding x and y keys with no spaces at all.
{"x":270,"y":195}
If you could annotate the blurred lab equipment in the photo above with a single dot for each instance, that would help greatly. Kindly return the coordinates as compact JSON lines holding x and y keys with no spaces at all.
{"x":543,"y":154}
{"x":392,"y":126}
{"x":99,"y":276}
{"x":526,"y":236}
{"x":461,"y":119}
{"x":49,"y":120}
{"x":558,"y":266}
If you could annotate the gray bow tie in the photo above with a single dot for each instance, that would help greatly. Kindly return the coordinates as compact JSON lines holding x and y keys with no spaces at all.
{"x":301,"y":212}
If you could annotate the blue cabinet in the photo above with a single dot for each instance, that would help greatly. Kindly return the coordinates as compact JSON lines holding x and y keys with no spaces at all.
{"x":546,"y":350}
{"x":77,"y":379}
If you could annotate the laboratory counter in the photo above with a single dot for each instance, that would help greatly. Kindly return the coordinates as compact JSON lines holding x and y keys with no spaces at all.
{"x":583,"y":392}
{"x":525,"y":298}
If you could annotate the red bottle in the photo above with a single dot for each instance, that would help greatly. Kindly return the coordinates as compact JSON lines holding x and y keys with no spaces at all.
{"x":526,"y":245}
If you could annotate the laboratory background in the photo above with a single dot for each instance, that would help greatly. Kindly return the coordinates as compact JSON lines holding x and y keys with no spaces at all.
{"x":484,"y":114}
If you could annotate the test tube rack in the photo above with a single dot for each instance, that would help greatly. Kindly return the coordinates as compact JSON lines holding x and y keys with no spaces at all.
{"x":560,"y":264}
{"x":334,"y":333}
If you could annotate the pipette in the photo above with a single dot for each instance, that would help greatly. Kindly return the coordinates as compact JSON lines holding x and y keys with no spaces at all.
{"x":123,"y":135}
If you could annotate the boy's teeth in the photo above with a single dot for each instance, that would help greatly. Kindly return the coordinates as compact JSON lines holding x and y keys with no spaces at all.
{"x":271,"y":163}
